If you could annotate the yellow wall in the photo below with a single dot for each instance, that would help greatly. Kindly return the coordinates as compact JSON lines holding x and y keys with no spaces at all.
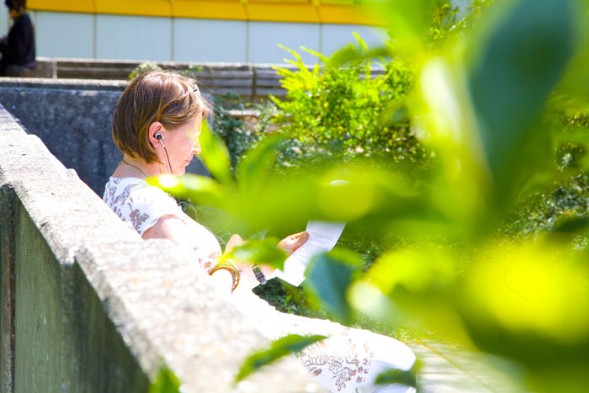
{"x":304,"y":11}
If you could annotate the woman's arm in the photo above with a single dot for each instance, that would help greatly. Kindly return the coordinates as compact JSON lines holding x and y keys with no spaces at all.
{"x":173,"y":228}
{"x":169,"y":227}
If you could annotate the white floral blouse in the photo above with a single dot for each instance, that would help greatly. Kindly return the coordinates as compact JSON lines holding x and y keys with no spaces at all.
{"x":141,"y":205}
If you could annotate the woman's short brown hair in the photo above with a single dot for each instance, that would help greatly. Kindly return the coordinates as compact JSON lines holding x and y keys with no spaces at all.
{"x":155,"y":96}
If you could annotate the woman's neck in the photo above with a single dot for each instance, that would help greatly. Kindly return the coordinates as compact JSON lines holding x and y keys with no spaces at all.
{"x":132,"y":167}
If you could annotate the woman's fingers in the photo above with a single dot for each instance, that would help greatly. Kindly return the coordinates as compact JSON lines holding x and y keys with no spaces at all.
{"x":234,"y":241}
{"x":291,"y":243}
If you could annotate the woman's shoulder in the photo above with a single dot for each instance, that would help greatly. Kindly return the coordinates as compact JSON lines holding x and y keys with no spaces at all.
{"x":138,"y":202}
{"x":132,"y":186}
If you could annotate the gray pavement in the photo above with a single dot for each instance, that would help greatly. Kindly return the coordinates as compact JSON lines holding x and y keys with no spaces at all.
{"x":447,"y":368}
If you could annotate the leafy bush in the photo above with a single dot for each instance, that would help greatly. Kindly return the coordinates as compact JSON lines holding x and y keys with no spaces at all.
{"x":141,"y":68}
{"x":343,"y":110}
{"x":564,"y":196}
{"x":190,"y":71}
{"x":237,"y":135}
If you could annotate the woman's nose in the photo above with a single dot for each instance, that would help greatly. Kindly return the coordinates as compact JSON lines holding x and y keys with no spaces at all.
{"x":196,"y":149}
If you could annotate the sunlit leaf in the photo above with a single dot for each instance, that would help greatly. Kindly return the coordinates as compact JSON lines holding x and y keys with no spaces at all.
{"x":259,"y":251}
{"x":371,"y":301}
{"x":407,"y":21}
{"x":446,"y":124}
{"x":352,"y":53}
{"x":328,"y":277}
{"x":254,"y":169}
{"x":414,"y":287}
{"x":165,"y":382}
{"x":575,"y":82}
{"x":357,"y":52}
{"x":214,"y":155}
{"x":529,"y":301}
{"x":517,"y":63}
{"x":422,"y":271}
{"x":401,"y":377}
{"x":280,"y":348}
{"x":199,"y":189}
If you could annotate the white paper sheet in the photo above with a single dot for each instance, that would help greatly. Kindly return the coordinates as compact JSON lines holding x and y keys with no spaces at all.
{"x":322,"y":237}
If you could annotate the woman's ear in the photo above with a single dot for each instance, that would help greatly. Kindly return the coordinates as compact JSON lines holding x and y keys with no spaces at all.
{"x":155,"y":133}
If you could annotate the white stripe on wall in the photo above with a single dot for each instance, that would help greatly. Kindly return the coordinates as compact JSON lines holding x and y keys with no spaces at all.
{"x":74,"y":35}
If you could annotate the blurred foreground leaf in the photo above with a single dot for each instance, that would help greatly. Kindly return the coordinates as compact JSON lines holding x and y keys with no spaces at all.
{"x":165,"y":382}
{"x":401,"y":377}
{"x":284,"y":346}
{"x":328,"y":277}
{"x":260,"y":251}
{"x":408,"y":23}
{"x":517,"y":63}
{"x":214,"y":155}
{"x":196,"y":188}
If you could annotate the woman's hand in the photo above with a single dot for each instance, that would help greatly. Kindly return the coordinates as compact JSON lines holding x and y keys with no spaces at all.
{"x":234,"y":241}
{"x":248,"y":277}
{"x":291,"y":243}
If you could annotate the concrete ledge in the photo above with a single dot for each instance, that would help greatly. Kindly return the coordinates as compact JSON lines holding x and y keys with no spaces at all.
{"x":250,"y":81}
{"x":98,"y":309}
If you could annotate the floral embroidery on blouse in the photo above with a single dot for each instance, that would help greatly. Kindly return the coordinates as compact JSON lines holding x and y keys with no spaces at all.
{"x":345,"y":371}
{"x":141,"y":205}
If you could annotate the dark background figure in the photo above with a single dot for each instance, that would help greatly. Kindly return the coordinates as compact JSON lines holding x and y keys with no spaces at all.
{"x":18,"y":47}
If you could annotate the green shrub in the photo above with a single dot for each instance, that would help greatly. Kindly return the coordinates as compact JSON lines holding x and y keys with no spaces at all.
{"x":344,"y":110}
{"x":141,"y":68}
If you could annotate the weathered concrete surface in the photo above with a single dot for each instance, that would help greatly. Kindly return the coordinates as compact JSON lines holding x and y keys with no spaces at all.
{"x":6,"y":289}
{"x":449,"y":368}
{"x":96,"y":308}
{"x":73,"y":119}
{"x":252,"y":82}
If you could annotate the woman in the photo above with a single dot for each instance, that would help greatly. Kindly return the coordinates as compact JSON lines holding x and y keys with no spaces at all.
{"x":156,"y":125}
{"x":18,"y":47}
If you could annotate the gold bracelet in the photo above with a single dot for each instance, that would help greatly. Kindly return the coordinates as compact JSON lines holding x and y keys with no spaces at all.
{"x":230,"y":267}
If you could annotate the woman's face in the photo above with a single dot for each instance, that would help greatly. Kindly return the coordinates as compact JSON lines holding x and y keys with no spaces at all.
{"x":13,"y":13}
{"x":182,"y":144}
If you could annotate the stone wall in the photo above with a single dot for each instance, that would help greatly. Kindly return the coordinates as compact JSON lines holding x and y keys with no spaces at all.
{"x":88,"y":306}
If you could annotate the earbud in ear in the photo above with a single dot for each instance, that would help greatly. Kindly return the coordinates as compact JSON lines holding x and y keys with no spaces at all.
{"x":158,"y":136}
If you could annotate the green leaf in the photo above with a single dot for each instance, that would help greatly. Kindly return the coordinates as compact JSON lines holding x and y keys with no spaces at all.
{"x":165,"y":382}
{"x":284,"y":346}
{"x":253,"y":170}
{"x":215,"y":155}
{"x":571,"y":224}
{"x":401,"y":377}
{"x":328,"y":277}
{"x":518,"y":61}
{"x":408,"y":22}
{"x":351,"y":53}
{"x":192,"y":187}
{"x":259,"y":251}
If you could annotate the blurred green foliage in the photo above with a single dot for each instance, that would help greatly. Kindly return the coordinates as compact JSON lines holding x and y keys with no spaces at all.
{"x":165,"y":382}
{"x":283,"y":346}
{"x":492,"y":99}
